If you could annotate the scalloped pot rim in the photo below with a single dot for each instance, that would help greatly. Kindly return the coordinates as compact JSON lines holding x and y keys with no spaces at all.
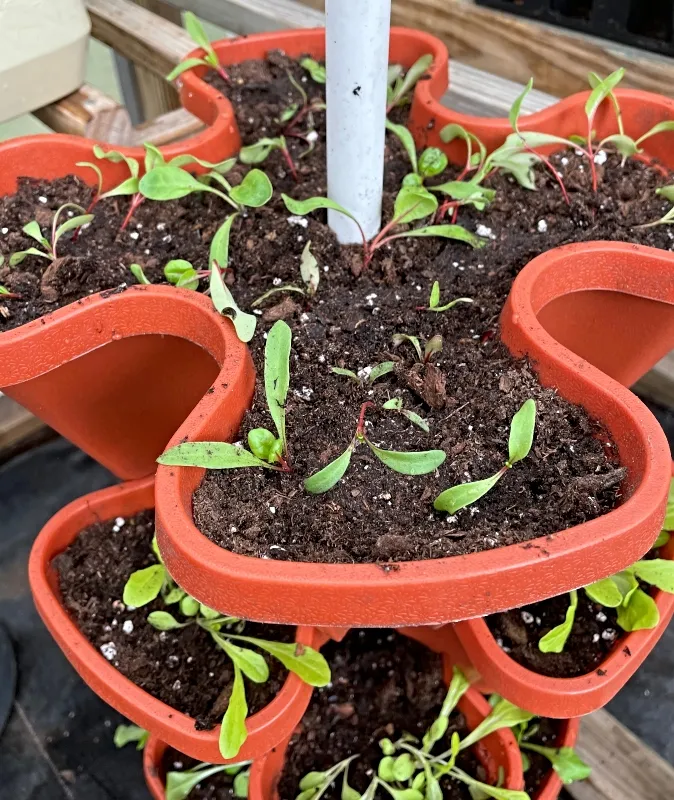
{"x":449,"y":589}
{"x":266,"y":729}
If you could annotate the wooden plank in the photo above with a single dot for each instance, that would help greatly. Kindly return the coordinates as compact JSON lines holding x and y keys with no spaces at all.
{"x":75,"y":113}
{"x":16,"y":426}
{"x":623,"y":767}
{"x":517,"y":49}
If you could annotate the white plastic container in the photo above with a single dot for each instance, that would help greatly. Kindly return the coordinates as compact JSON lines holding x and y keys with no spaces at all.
{"x":43,"y":48}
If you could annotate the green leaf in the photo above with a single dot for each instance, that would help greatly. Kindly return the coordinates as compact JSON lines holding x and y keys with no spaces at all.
{"x":71,"y":224}
{"x":413,"y":203}
{"x":602,"y":91}
{"x":277,"y":375}
{"x":409,"y":463}
{"x":457,"y":497}
{"x":555,"y":639}
{"x":309,"y":270}
{"x":169,"y":183}
{"x":125,"y":734}
{"x":17,"y":258}
{"x":432,"y":346}
{"x":348,"y":793}
{"x":503,"y":715}
{"x":414,"y":418}
{"x":346,"y":372}
{"x":494,"y":792}
{"x":455,"y":131}
{"x":387,"y":746}
{"x":379,"y":370}
{"x":117,"y":158}
{"x":289,"y":112}
{"x":519,"y":165}
{"x":569,"y":766}
{"x":316,"y":70}
{"x":407,"y":141}
{"x":211,"y":455}
{"x":258,"y":152}
{"x":196,"y":30}
{"x":211,"y":613}
{"x":661,"y":127}
{"x":449,"y":232}
{"x":432,"y":162}
{"x":435,"y":295}
{"x":467,"y":191}
{"x":522,"y":432}
{"x":625,"y":145}
{"x":233,"y":731}
{"x":96,"y":169}
{"x":668,"y":524}
{"x":219,"y":249}
{"x":241,"y":783}
{"x":627,"y":584}
{"x":189,"y":606}
{"x":516,"y":107}
{"x":385,"y":769}
{"x":153,"y":157}
{"x":127,"y":187}
{"x":403,"y":767}
{"x":458,"y":686}
{"x":181,"y":273}
{"x":219,"y":167}
{"x":139,"y":275}
{"x":223,"y":301}
{"x":604,"y":592}
{"x":412,"y":76}
{"x":657,"y":572}
{"x":662,"y":540}
{"x":307,"y":663}
{"x":262,"y":444}
{"x":188,"y":63}
{"x":399,"y":338}
{"x":33,"y":230}
{"x":144,"y":586}
{"x":174,"y":595}
{"x":394,"y":404}
{"x":252,"y":664}
{"x":326,"y":478}
{"x":312,"y":780}
{"x":639,"y":613}
{"x":163,"y":621}
{"x":254,"y":190}
{"x":303,"y":207}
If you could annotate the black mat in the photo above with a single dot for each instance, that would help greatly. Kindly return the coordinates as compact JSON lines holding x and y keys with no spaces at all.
{"x":58,"y":741}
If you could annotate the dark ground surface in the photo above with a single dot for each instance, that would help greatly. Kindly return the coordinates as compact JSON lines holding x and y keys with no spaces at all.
{"x":58,"y":742}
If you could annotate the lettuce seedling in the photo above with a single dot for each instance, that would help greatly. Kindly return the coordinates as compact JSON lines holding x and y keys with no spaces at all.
{"x":412,"y":203}
{"x":129,"y":734}
{"x":396,"y":404}
{"x":259,"y":151}
{"x":434,"y":301}
{"x":48,"y":251}
{"x":409,"y":771}
{"x":432,"y":346}
{"x":199,"y":37}
{"x":407,"y":463}
{"x":179,"y":783}
{"x":555,"y":639}
{"x":400,"y":85}
{"x":519,"y":444}
{"x":564,"y":760}
{"x":366,"y":375}
{"x":267,"y":450}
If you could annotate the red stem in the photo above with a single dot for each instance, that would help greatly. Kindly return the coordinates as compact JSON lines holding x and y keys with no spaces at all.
{"x":135,"y":203}
{"x":223,"y":74}
{"x":10,"y":296}
{"x":550,"y":167}
{"x":590,"y":154}
{"x":360,"y":430}
{"x":289,"y":162}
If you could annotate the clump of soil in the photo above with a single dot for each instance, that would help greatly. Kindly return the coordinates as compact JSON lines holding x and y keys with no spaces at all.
{"x":593,"y":636}
{"x":383,"y":685}
{"x":217,"y":787}
{"x":182,"y":668}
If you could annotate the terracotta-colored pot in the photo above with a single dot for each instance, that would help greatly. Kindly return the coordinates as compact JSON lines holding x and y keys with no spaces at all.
{"x":497,"y":752}
{"x":266,"y":729}
{"x":450,"y":589}
{"x":153,"y":767}
{"x":552,"y":784}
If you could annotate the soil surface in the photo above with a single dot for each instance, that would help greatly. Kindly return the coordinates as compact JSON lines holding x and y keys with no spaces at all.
{"x":217,"y":787}
{"x":467,"y":394}
{"x":593,"y":636}
{"x":182,"y":668}
{"x":546,"y":735}
{"x":383,"y":685}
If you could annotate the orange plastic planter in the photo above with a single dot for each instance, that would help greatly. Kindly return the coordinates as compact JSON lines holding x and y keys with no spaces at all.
{"x":266,"y":729}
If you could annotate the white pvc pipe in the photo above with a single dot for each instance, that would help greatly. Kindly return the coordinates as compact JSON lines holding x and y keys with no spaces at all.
{"x":357,"y":40}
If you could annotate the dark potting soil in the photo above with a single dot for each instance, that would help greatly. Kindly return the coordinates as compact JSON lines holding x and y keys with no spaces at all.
{"x":594,"y":634}
{"x":546,"y":734}
{"x":217,"y":787}
{"x":383,"y":685}
{"x":183,"y":668}
{"x":468,"y":394}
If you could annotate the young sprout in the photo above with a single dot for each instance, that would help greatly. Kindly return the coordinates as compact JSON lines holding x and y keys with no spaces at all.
{"x":309,"y":273}
{"x":668,"y":193}
{"x":401,"y":85}
{"x":48,"y":251}
{"x":519,"y":444}
{"x":267,"y":450}
{"x":179,"y":784}
{"x":210,"y":59}
{"x":429,"y":164}
{"x":412,"y":203}
{"x":316,"y":70}
{"x":396,"y":404}
{"x":366,"y":375}
{"x":296,"y":112}
{"x":128,"y":734}
{"x":432,"y":346}
{"x":564,"y":760}
{"x":177,"y":271}
{"x":5,"y":294}
{"x":407,"y":463}
{"x":434,"y":301}
{"x":258,"y":152}
{"x":555,"y":639}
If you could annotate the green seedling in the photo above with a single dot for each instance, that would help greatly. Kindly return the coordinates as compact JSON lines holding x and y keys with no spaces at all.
{"x":130,"y":734}
{"x":555,"y":639}
{"x":309,"y":272}
{"x":409,"y":770}
{"x":519,"y":444}
{"x":259,"y":152}
{"x":429,"y":164}
{"x":432,"y":346}
{"x":366,"y":375}
{"x":401,"y":83}
{"x":412,"y":203}
{"x":267,"y":450}
{"x":407,"y":463}
{"x":146,"y":585}
{"x":396,"y":404}
{"x":296,"y":113}
{"x":49,"y":246}
{"x":179,"y":783}
{"x":434,"y":301}
{"x":177,"y":271}
{"x":564,"y":760}
{"x":668,"y":193}
{"x":316,"y":70}
{"x":5,"y":294}
{"x":210,"y":58}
